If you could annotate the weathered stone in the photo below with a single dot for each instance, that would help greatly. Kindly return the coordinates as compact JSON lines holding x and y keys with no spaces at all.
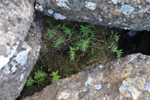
{"x":125,"y":14}
{"x":19,"y":45}
{"x":122,"y":79}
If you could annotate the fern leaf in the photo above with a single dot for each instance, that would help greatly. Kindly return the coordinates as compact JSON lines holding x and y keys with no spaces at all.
{"x":83,"y":44}
{"x":72,"y":53}
{"x":67,"y":31}
{"x":39,"y":75}
{"x":86,"y":30}
{"x":119,"y":53}
{"x":30,"y":81}
{"x":55,"y":76}
{"x":59,"y":41}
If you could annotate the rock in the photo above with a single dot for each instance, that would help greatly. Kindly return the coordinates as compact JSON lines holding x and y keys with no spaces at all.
{"x":122,"y":79}
{"x":124,"y":14}
{"x":19,"y":45}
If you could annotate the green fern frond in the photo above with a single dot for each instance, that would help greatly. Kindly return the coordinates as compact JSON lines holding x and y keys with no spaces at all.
{"x":72,"y":53}
{"x":83,"y":44}
{"x":113,"y":47}
{"x":119,"y":53}
{"x":55,"y":76}
{"x":59,"y":41}
{"x":114,"y":36}
{"x":59,"y":26}
{"x":39,"y":77}
{"x":67,"y":31}
{"x":49,"y":34}
{"x":30,"y":81}
{"x":86,"y":30}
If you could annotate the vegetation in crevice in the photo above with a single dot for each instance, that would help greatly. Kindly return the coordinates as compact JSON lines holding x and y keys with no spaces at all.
{"x":70,"y":47}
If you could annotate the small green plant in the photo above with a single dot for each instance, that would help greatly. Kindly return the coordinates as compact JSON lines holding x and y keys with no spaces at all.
{"x":72,"y":53}
{"x":39,"y":77}
{"x":30,"y":81}
{"x":55,"y":76}
{"x":119,"y":53}
{"x":77,"y":39}
{"x":83,"y":40}
{"x":66,"y":30}
{"x":113,"y":47}
{"x":83,"y":44}
{"x":86,"y":30}
{"x":49,"y":33}
{"x":59,"y":41}
{"x":114,"y":36}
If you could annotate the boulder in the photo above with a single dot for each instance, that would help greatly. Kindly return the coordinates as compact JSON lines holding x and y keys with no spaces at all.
{"x":124,"y":14}
{"x":20,"y":34}
{"x":122,"y":79}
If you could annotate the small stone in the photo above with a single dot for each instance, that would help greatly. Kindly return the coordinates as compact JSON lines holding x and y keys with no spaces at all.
{"x":90,"y":5}
{"x":98,"y":87}
{"x":50,"y":11}
{"x":88,"y":81}
{"x":59,"y":16}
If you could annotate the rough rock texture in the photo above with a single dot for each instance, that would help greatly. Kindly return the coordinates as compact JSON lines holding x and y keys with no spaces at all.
{"x":20,"y":37}
{"x":125,"y":14}
{"x":123,"y":79}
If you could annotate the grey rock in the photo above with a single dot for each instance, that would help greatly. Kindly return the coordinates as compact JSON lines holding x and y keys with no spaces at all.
{"x":20,"y":35}
{"x":124,"y":14}
{"x":122,"y":79}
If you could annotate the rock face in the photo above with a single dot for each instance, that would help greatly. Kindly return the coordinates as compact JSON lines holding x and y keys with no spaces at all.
{"x":125,"y":14}
{"x":20,"y":37}
{"x":123,"y":79}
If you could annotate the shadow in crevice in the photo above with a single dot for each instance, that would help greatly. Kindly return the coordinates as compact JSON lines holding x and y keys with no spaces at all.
{"x":134,"y":42}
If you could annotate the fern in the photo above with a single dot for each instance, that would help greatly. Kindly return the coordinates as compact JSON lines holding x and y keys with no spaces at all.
{"x":119,"y":53}
{"x":83,"y":44}
{"x":55,"y":76}
{"x":86,"y":30}
{"x":49,"y":34}
{"x":113,"y":46}
{"x":59,"y":41}
{"x":39,"y":77}
{"x":72,"y":53}
{"x":114,"y":36}
{"x":30,"y":81}
{"x":66,"y":30}
{"x":92,"y":35}
{"x":78,"y":37}
{"x":59,"y":26}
